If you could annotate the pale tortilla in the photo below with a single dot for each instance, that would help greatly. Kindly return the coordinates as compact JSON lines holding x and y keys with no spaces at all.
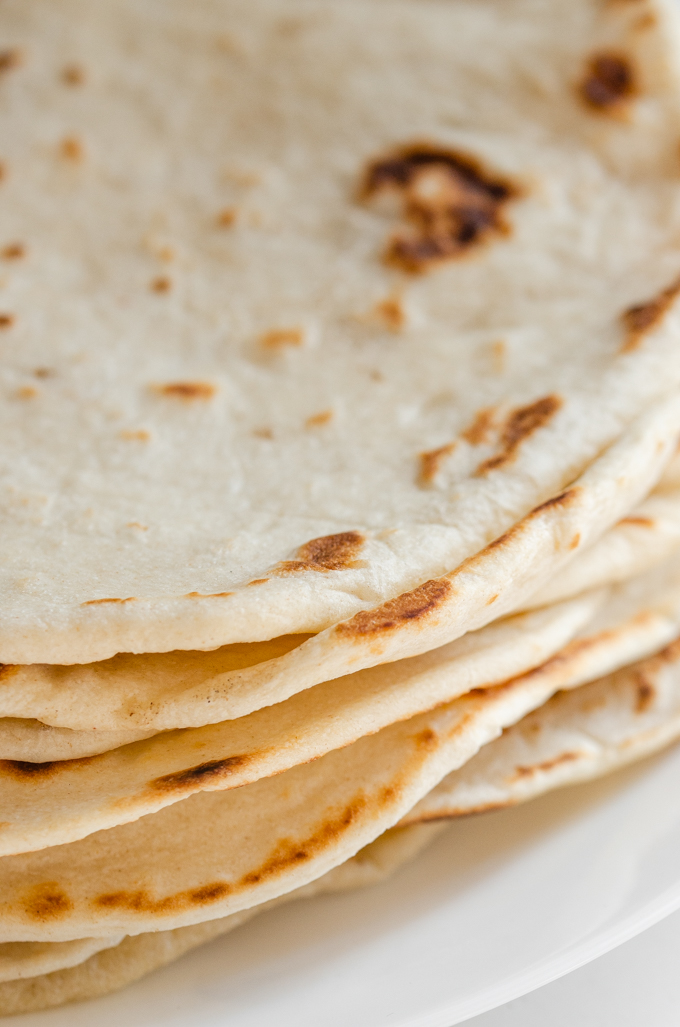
{"x":134,"y":957}
{"x":208,"y":363}
{"x":575,"y":737}
{"x":161,"y":692}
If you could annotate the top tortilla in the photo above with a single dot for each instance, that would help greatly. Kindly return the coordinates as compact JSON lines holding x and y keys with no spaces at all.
{"x":221,"y":341}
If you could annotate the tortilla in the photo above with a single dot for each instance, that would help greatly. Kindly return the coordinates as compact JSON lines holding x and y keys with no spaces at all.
{"x":216,"y":853}
{"x":329,"y":300}
{"x":166,"y":691}
{"x":575,"y":737}
{"x":54,"y":803}
{"x":132,"y":958}
{"x":30,"y":741}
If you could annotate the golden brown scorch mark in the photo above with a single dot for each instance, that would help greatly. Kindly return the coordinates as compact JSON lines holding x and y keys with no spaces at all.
{"x":72,"y":149}
{"x":72,"y":75}
{"x":282,"y":338}
{"x":160,"y":284}
{"x":639,"y":319}
{"x":47,"y":901}
{"x":135,"y":434}
{"x":10,"y":59}
{"x":480,"y":428}
{"x":96,"y":602}
{"x":286,"y":854}
{"x":226,"y":218}
{"x":13,"y":251}
{"x":318,"y":420}
{"x":396,"y":613}
{"x":142,"y":902}
{"x":642,"y":522}
{"x":207,"y":595}
{"x":326,"y":553}
{"x":645,"y":692}
{"x":6,"y":320}
{"x":609,"y":82}
{"x":22,"y":771}
{"x":520,"y":424}
{"x":431,"y":462}
{"x":187,"y":390}
{"x":196,"y":778}
{"x":450,"y":203}
{"x":389,"y":313}
{"x":537,"y":768}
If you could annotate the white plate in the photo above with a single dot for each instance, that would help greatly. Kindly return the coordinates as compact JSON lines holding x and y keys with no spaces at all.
{"x":501,"y":904}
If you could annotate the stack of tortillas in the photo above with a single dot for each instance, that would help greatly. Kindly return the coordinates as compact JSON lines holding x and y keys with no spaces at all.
{"x":340,"y":404}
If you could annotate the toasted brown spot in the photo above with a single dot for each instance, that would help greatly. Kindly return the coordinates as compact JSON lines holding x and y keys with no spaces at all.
{"x":3,"y":171}
{"x":537,"y":768}
{"x":282,"y":338}
{"x":424,"y":739}
{"x":520,"y":424}
{"x":196,"y":778}
{"x":450,"y":203}
{"x":638,"y":320}
{"x":96,"y":602}
{"x":431,"y":461}
{"x":47,"y":902}
{"x":160,"y":284}
{"x":226,"y":217}
{"x":43,"y":372}
{"x":187,"y":390}
{"x":564,"y":499}
{"x":258,"y":581}
{"x":646,"y":693}
{"x":142,"y":902}
{"x":643,"y":522}
{"x":481,"y":427}
{"x":23,"y":771}
{"x":390,"y":313}
{"x":207,"y":595}
{"x":27,"y":392}
{"x":10,"y":59}
{"x":72,"y":75}
{"x":263,"y":433}
{"x":288,"y":852}
{"x":72,"y":149}
{"x":7,"y":320}
{"x":13,"y":251}
{"x":318,"y":420}
{"x":8,"y":670}
{"x":492,"y":599}
{"x":574,"y":544}
{"x":326,"y":553}
{"x":395,"y":613}
{"x":609,"y":82}
{"x":136,"y":524}
{"x":135,"y":434}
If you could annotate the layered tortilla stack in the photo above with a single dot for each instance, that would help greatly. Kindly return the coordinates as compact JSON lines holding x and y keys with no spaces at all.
{"x":339,"y":481}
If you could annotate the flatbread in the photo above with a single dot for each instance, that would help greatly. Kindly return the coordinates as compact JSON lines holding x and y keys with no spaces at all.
{"x":232,"y":410}
{"x":216,"y":853}
{"x":31,"y":741}
{"x":166,"y":691}
{"x":575,"y":737}
{"x":648,"y":535}
{"x":115,"y":967}
{"x":55,"y":803}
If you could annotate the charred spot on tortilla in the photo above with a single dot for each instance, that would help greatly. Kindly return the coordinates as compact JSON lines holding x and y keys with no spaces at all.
{"x":187,"y":390}
{"x":326,"y":553}
{"x":519,"y":425}
{"x":609,"y":82}
{"x":643,"y":317}
{"x":197,"y":777}
{"x":451,"y":204}
{"x":431,"y":462}
{"x":395,"y":613}
{"x":47,"y":901}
